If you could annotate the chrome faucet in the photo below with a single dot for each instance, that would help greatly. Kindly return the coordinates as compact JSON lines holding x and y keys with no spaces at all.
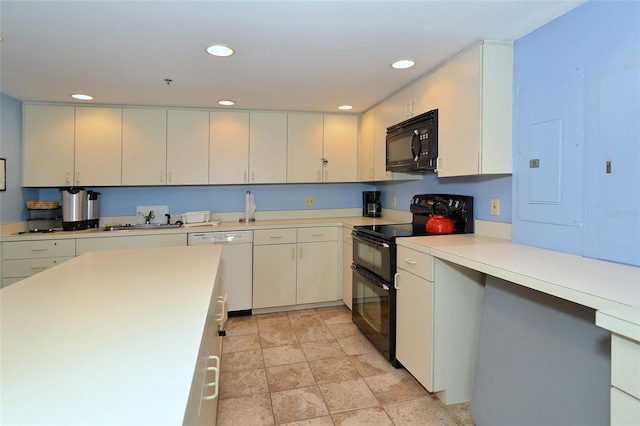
{"x":147,"y":219}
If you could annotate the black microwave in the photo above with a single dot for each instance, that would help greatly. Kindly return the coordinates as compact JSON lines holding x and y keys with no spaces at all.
{"x":412,"y":145}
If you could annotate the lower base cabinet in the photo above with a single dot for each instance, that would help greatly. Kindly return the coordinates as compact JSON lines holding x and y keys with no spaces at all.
{"x":84,"y":245}
{"x":295,"y":266}
{"x":21,"y":259}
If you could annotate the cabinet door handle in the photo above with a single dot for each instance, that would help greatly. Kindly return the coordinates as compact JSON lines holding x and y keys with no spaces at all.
{"x":293,"y":253}
{"x":216,"y":383}
{"x":78,"y":177}
{"x":411,"y":262}
{"x":161,"y":176}
{"x":253,"y":176}
{"x":221,"y":317}
{"x":300,"y":251}
{"x":438,"y":165}
{"x":395,"y":280}
{"x":170,"y":176}
{"x":67,"y":178}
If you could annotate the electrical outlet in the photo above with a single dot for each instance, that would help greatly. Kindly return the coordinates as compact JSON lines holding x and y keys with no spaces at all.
{"x":393,"y":201}
{"x":309,"y":201}
{"x":495,"y":207}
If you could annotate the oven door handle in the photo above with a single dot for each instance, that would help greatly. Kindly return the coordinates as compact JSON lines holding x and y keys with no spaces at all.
{"x":368,"y":241}
{"x":370,"y":277}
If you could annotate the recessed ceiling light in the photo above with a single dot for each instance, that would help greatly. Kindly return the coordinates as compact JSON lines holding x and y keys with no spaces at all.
{"x":226,"y":103}
{"x":1,"y":38}
{"x":82,"y":97}
{"x":345,"y":107}
{"x":402,"y":64}
{"x":219,"y":50}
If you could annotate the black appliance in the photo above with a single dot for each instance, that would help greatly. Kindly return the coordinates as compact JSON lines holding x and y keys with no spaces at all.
{"x":371,"y":206}
{"x":374,"y":265}
{"x":412,"y":145}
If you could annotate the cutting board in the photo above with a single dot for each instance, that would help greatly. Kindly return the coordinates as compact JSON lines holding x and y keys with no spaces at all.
{"x":158,"y":211}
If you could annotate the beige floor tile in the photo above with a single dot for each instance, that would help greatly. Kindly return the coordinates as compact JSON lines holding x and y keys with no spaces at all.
{"x":278,"y":337}
{"x":314,"y":351}
{"x":306,"y":321}
{"x":240,"y":343}
{"x":298,"y":404}
{"x":282,"y":355}
{"x":295,"y":313}
{"x":313,"y":334}
{"x":267,"y":322}
{"x":367,"y":416}
{"x":344,"y":329}
{"x":396,"y":386}
{"x":318,"y":421}
{"x":423,"y":411}
{"x":239,"y":326}
{"x":356,"y":344}
{"x":242,"y":383}
{"x":245,"y":410}
{"x":460,"y":413}
{"x":347,"y":395}
{"x":333,"y":370}
{"x":243,"y":360}
{"x":289,"y":376}
{"x":372,"y":364}
{"x":335,"y":315}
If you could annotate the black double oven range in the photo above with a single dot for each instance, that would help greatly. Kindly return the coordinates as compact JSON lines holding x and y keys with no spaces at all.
{"x":374,"y":264}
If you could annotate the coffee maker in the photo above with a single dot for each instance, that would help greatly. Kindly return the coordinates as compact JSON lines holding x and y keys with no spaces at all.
{"x":371,"y":206}
{"x":93,"y":209}
{"x":74,"y":212}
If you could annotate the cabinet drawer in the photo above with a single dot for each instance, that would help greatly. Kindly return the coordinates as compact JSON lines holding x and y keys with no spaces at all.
{"x":625,"y":409}
{"x":418,"y":263}
{"x":625,"y":369}
{"x":39,"y":249}
{"x":320,"y":233}
{"x":274,"y":236}
{"x":26,"y":267}
{"x":8,"y":281}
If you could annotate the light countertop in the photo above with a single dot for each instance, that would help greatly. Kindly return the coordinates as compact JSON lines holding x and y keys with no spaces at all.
{"x":590,"y":282}
{"x":110,"y":337}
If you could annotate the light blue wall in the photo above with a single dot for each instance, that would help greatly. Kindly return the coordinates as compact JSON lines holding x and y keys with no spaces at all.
{"x":582,"y":70}
{"x":12,"y":201}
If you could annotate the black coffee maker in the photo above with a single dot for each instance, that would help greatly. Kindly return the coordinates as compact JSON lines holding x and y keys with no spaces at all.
{"x":371,"y":206}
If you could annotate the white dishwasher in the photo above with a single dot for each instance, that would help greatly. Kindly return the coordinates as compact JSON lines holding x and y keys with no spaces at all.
{"x":236,"y":266}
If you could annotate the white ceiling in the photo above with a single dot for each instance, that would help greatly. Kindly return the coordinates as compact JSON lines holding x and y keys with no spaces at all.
{"x":290,"y":55}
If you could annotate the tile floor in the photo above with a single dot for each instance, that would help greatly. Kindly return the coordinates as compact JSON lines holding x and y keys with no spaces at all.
{"x":314,"y":367}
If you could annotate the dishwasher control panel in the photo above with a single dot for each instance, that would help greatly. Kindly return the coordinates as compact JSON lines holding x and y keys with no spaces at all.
{"x":202,"y":238}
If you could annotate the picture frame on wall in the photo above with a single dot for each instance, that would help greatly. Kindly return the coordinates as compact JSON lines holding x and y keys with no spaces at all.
{"x":3,"y":174}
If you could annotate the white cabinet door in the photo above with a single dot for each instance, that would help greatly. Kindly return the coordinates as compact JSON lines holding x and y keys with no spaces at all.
{"x":340,"y":148}
{"x":48,"y":145}
{"x":268,"y":147}
{"x":317,"y":272}
{"x":304,"y":152}
{"x":187,"y":147}
{"x":98,"y":148}
{"x":414,"y":326}
{"x":274,"y":275}
{"x":366,"y":147}
{"x":144,"y":146}
{"x":229,"y":147}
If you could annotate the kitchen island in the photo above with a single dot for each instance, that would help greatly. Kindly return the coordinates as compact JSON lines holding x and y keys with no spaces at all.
{"x":113,"y":337}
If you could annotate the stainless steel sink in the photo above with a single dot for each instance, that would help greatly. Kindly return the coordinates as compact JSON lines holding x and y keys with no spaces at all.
{"x":139,"y":226}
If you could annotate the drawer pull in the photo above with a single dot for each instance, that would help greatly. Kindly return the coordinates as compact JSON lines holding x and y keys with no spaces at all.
{"x":319,"y":234}
{"x":411,"y":262}
{"x":40,"y":249}
{"x":215,"y":383}
{"x":275,"y":237}
{"x":38,"y":267}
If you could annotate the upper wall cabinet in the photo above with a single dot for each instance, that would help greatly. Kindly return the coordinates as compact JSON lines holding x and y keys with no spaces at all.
{"x":228,"y":147}
{"x":268,"y":147}
{"x":473,"y":95}
{"x":366,"y":146}
{"x":340,"y":148}
{"x":304,"y":153}
{"x":187,"y":147}
{"x":144,"y":146}
{"x":48,"y":145}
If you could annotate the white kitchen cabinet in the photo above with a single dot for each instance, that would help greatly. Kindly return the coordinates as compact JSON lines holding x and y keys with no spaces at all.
{"x":229,"y":147}
{"x":438,"y":322}
{"x":304,"y":152}
{"x":340,"y":148}
{"x":21,"y":259}
{"x":473,"y":95}
{"x":187,"y":147}
{"x":317,"y":268}
{"x":267,"y":147}
{"x":98,"y":147}
{"x":48,"y":145}
{"x":414,"y":314}
{"x":366,"y":147}
{"x":84,"y":245}
{"x":274,"y":267}
{"x":347,"y":260}
{"x":144,"y":146}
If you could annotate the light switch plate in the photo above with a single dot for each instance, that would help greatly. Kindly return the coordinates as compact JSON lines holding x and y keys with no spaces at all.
{"x":158,"y":213}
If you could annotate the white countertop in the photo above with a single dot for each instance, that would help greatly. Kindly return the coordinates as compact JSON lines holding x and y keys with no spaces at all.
{"x":594,"y":283}
{"x":110,"y":337}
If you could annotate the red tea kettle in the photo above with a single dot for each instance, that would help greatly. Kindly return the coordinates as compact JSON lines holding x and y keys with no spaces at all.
{"x":439,"y":224}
